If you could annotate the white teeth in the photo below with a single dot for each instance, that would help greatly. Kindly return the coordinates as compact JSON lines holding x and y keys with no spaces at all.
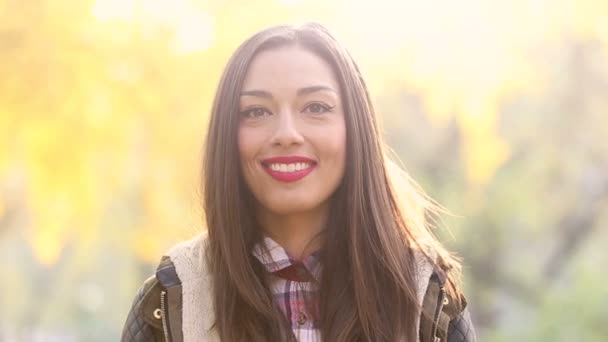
{"x":292,"y":167}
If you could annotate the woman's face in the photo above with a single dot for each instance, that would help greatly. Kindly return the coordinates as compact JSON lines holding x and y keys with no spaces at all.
{"x":292,"y":134}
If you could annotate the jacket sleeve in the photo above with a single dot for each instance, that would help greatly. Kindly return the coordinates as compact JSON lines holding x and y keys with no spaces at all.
{"x":461,"y":328}
{"x":136,"y":328}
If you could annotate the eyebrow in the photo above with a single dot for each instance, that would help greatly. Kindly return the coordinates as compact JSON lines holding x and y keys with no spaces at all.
{"x":300,"y":92}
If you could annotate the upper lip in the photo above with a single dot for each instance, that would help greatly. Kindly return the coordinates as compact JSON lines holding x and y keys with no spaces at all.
{"x":287,"y":160}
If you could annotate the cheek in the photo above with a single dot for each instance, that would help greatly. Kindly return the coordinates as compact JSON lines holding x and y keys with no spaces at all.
{"x":247,"y":150}
{"x":242,"y":143}
{"x":251,"y":143}
{"x":336,"y":144}
{"x":247,"y":142}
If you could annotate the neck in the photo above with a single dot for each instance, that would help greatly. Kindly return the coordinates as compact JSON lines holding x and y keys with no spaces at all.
{"x":297,"y":233}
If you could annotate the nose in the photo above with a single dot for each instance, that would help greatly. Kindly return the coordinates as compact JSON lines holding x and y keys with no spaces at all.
{"x":287,"y":130}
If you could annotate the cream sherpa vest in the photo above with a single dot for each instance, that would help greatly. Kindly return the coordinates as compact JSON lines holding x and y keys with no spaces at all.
{"x":197,"y":301}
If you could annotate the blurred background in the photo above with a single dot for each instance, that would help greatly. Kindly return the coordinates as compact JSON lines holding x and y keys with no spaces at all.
{"x":498,"y":108}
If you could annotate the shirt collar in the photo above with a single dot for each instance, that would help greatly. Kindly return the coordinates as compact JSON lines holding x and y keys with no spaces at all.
{"x":274,"y":258}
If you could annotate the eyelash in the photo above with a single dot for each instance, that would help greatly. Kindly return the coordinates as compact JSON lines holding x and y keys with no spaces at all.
{"x":324,"y":107}
{"x":246,"y":114}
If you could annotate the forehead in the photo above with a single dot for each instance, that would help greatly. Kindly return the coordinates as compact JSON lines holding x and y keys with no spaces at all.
{"x":288,"y":67}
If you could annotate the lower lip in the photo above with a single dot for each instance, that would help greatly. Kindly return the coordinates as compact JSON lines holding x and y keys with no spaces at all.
{"x":289,"y":177}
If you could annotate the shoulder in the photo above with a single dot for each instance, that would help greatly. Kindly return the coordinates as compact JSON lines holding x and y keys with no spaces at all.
{"x":182,"y":266}
{"x":189,"y":257}
{"x":443,"y":317}
{"x":143,"y":321}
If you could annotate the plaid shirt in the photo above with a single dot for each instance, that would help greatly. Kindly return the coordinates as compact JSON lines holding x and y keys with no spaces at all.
{"x":293,"y":286}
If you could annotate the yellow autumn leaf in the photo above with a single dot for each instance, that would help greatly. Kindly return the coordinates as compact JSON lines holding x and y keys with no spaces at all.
{"x":48,"y":241}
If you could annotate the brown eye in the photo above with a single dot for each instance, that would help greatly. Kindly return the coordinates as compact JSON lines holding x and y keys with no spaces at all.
{"x":254,"y":113}
{"x":317,"y":108}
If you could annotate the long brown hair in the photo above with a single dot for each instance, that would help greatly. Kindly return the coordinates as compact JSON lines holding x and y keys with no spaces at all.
{"x":367,"y":291}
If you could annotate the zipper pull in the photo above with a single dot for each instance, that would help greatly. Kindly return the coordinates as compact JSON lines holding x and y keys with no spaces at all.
{"x":442,"y":300}
{"x":163,"y":315}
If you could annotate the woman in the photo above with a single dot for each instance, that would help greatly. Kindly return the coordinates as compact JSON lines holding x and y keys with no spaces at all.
{"x":308,"y":238}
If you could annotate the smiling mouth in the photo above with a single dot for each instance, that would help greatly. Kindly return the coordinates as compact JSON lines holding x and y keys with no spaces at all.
{"x":288,"y":169}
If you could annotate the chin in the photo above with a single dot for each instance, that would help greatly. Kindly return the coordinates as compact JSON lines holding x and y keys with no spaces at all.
{"x":284,"y":206}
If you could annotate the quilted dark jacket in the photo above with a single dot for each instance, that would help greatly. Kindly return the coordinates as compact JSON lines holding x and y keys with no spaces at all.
{"x":155,"y":315}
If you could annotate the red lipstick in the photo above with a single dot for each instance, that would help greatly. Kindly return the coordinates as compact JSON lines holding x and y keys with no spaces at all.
{"x":288,"y":168}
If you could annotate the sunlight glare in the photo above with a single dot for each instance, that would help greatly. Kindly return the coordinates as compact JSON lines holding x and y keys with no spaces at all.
{"x":114,"y":9}
{"x":193,"y":32}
